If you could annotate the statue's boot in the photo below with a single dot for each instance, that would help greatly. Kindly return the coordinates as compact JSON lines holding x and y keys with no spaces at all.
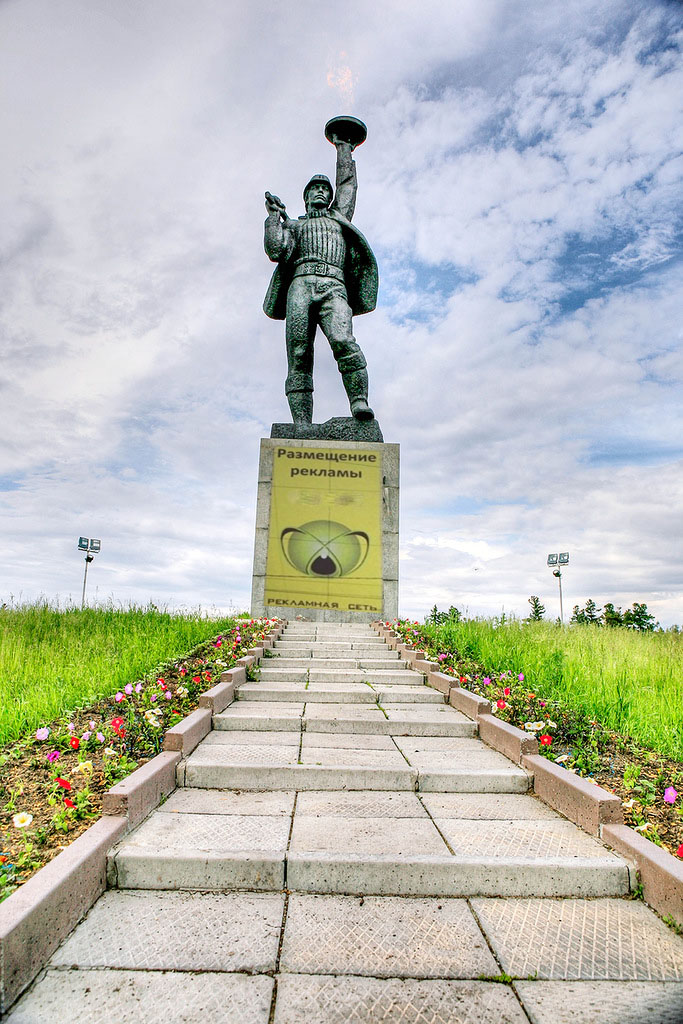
{"x":301,"y":407}
{"x":356,"y":385}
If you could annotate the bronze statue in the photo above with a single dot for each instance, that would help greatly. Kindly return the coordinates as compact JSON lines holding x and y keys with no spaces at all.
{"x":326,"y":273}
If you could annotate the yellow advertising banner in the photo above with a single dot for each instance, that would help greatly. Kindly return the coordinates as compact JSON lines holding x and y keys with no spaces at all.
{"x":325,"y":537}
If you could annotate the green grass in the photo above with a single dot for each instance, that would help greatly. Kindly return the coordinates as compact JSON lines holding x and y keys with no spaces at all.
{"x":631,"y":682}
{"x":53,"y":661}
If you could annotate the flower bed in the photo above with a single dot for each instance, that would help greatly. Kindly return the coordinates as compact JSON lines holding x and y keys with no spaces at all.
{"x":650,"y":786}
{"x":54,"y":780}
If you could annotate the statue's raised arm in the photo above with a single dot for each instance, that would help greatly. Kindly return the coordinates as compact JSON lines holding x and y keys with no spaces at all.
{"x":326,"y":273}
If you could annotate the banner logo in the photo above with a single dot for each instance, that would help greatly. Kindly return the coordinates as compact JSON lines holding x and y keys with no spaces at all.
{"x":324,"y":549}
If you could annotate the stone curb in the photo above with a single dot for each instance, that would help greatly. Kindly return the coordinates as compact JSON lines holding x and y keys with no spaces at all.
{"x":137,"y":794}
{"x":506,"y":738}
{"x":661,"y":874}
{"x":223,"y":693}
{"x":39,"y":915}
{"x":583,"y":802}
{"x":186,"y":735}
{"x":468,"y":703}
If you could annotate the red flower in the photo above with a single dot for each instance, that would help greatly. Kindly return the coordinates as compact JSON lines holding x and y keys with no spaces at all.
{"x":463,"y":679}
{"x":679,"y":851}
{"x":117,"y":726}
{"x":506,"y":691}
{"x":501,"y":704}
{"x":69,"y":803}
{"x":546,"y":740}
{"x":207,"y":676}
{"x":196,"y":679}
{"x":64,"y":783}
{"x":74,"y":742}
{"x":183,"y":672}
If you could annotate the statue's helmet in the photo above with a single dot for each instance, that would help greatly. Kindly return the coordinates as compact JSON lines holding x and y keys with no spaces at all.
{"x":315,"y":179}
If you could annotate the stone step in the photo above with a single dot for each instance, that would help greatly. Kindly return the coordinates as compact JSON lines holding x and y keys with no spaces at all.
{"x":362,"y":720}
{"x":354,"y":675}
{"x":353,"y":651}
{"x":349,"y":693}
{"x":316,"y":664}
{"x":223,"y":841}
{"x":335,"y":645}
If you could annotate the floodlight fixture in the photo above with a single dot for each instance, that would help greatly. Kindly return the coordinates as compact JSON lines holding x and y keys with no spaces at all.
{"x":552,"y":559}
{"x":564,"y":558}
{"x":91,"y":546}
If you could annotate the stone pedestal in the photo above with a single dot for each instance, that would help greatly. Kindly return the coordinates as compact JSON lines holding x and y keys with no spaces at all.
{"x":326,"y":546}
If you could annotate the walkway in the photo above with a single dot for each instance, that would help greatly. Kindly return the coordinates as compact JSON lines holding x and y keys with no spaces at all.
{"x":342,"y":847}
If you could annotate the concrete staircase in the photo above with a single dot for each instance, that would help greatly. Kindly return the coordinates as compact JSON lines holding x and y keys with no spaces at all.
{"x":342,"y":846}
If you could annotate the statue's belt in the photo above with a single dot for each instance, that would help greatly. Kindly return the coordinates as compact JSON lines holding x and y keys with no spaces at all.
{"x":319,"y":268}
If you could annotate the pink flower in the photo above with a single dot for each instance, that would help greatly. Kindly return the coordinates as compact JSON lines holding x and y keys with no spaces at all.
{"x":128,"y":688}
{"x":92,"y":726}
{"x":541,"y":703}
{"x":42,"y":734}
{"x":442,"y":657}
{"x":86,"y":736}
{"x":138,"y":687}
{"x":218,"y":643}
{"x":152,"y":696}
{"x":118,"y":697}
{"x":53,"y":756}
{"x":486,"y":680}
{"x":71,"y":727}
{"x":168,"y":695}
{"x":521,"y":677}
{"x":100,"y":737}
{"x":670,"y":795}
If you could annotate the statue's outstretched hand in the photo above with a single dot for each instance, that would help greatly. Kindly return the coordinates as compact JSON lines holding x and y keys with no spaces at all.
{"x":275,"y":205}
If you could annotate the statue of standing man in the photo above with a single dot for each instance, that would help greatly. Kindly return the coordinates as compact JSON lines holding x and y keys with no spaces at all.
{"x":326,"y":273}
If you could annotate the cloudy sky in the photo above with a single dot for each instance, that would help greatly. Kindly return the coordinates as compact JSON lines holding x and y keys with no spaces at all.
{"x":521,"y":189}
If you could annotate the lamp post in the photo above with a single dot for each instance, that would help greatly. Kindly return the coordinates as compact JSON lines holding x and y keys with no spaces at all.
{"x":91,"y":546}
{"x":557,"y":560}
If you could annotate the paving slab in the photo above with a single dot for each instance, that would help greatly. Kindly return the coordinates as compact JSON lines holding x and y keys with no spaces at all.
{"x":265,"y":708}
{"x":248,"y":737}
{"x":361,"y":804}
{"x":408,"y":694}
{"x":577,"y":939}
{"x":602,"y":1002}
{"x":384,"y":937}
{"x":155,"y":997}
{"x":400,"y":837}
{"x":487,"y":806}
{"x":453,"y":760}
{"x":202,"y":851}
{"x":227,"y":801}
{"x":338,"y":1000}
{"x":258,"y":722}
{"x":542,"y":839}
{"x":349,"y":757}
{"x":345,"y":693}
{"x":177,"y":931}
{"x":270,"y":754}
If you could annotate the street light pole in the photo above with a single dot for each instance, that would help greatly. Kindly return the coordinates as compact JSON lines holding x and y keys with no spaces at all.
{"x":91,"y":545}
{"x":559,"y":580}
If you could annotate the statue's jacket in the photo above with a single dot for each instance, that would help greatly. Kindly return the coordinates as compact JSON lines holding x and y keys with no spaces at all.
{"x":360,"y":270}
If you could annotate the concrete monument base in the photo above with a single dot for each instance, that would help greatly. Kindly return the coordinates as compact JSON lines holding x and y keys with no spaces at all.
{"x":326,"y":544}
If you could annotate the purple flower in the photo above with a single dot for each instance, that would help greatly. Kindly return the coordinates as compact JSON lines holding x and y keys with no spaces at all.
{"x":138,"y":687}
{"x":86,"y":736}
{"x":168,"y":695}
{"x":152,"y":696}
{"x":118,"y":697}
{"x":71,"y":727}
{"x":670,"y":795}
{"x":486,"y":681}
{"x":442,"y":657}
{"x":43,"y":733}
{"x":53,"y":756}
{"x":100,"y":737}
{"x":521,"y":677}
{"x":128,"y":688}
{"x":92,"y":725}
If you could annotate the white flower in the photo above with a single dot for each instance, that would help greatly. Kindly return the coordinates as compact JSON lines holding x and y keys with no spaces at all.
{"x":22,"y":819}
{"x":109,"y":752}
{"x":83,"y":768}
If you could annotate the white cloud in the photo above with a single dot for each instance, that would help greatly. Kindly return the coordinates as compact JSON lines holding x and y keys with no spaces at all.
{"x":520,"y":186}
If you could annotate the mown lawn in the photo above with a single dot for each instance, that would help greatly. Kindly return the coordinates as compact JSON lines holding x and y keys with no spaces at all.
{"x":631,"y":682}
{"x":52,"y":660}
